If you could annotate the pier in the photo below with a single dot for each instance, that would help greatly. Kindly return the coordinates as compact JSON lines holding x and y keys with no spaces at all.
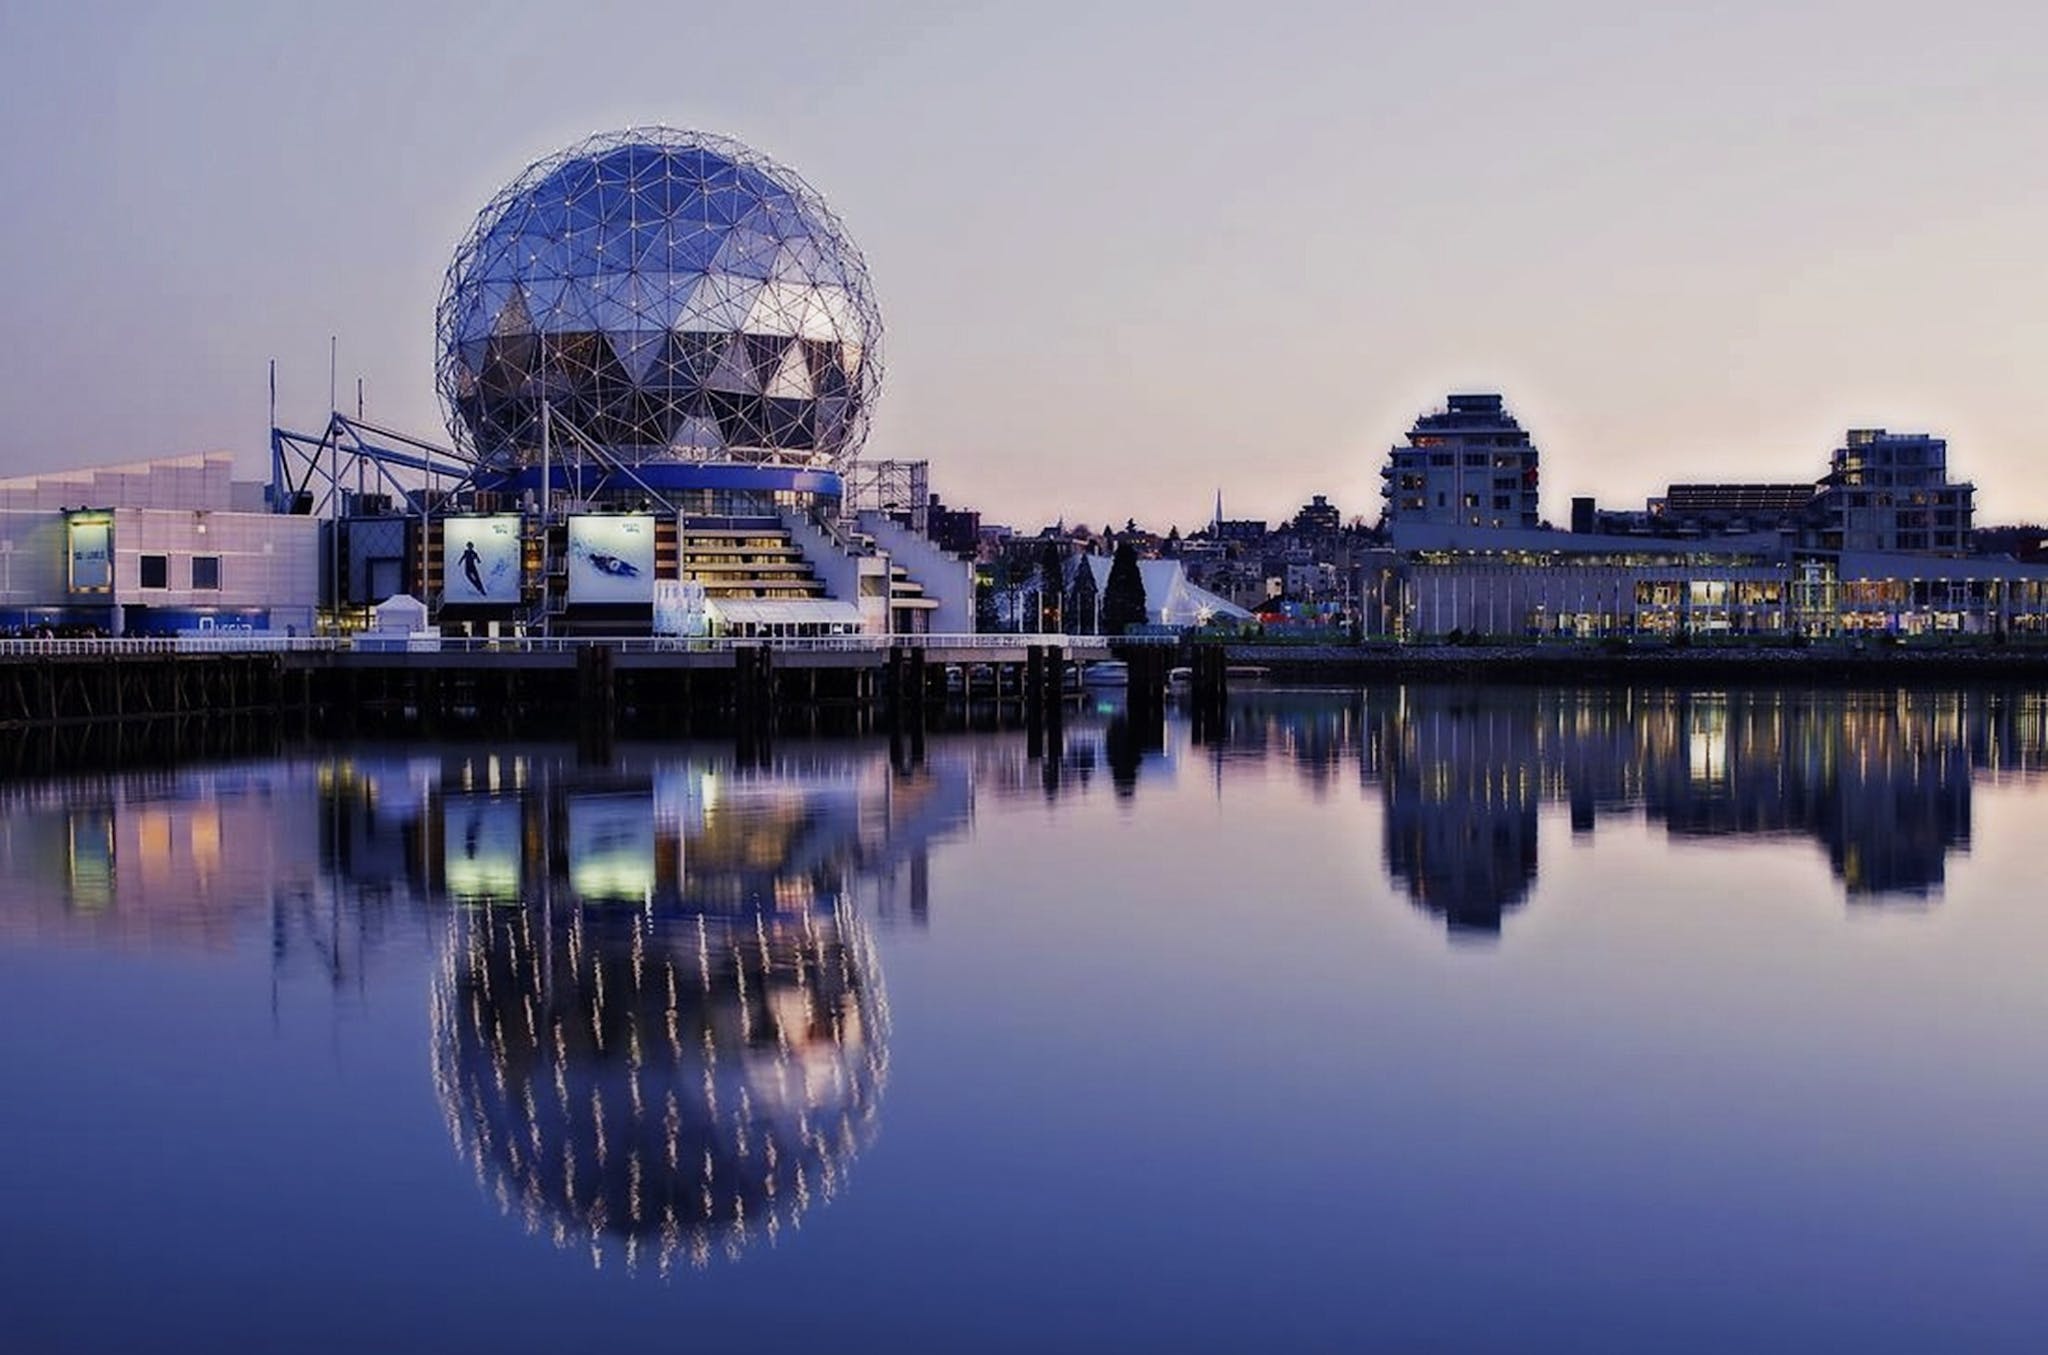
{"x":590,"y":687}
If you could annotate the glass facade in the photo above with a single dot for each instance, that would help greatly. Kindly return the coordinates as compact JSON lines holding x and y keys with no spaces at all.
{"x":670,"y":296}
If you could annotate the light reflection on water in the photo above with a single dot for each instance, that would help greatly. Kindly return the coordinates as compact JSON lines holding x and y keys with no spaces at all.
{"x":670,"y":1000}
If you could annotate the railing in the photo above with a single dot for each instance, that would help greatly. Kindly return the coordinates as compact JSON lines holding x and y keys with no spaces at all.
{"x":416,"y":642}
{"x":117,"y":646}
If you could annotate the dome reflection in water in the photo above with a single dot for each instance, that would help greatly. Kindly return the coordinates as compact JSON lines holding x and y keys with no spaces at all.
{"x":644,"y":1061}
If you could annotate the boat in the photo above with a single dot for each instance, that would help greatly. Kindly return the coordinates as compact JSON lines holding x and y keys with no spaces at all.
{"x":1106,"y":673}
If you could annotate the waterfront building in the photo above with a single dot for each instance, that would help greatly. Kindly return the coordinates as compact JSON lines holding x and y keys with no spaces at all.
{"x":1433,"y":581}
{"x":1879,"y":545}
{"x":1891,"y":492}
{"x":659,"y":354}
{"x":1469,"y":464}
{"x":161,"y":547}
{"x":1438,"y":580}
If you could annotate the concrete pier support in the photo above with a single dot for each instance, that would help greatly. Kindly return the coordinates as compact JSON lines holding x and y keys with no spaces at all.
{"x":597,"y":695}
{"x":1208,"y":693}
{"x":753,"y":701}
{"x":1145,"y":692}
{"x":1034,"y":701}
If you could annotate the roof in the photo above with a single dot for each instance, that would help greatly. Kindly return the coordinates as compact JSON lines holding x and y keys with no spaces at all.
{"x":1738,"y":498}
{"x":1858,"y":565}
{"x":400,"y":611}
{"x":201,"y":482}
{"x":1170,"y":599}
{"x":1436,"y":536}
{"x":783,"y":611}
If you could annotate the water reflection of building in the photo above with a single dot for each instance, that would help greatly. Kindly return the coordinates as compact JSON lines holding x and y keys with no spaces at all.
{"x":667,"y":1080}
{"x":659,"y":1027}
{"x":1882,"y":782}
{"x":699,"y":832}
{"x":1460,"y":802}
{"x":178,"y":857}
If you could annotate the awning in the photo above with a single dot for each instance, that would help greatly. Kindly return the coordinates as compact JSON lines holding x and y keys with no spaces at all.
{"x":782,"y":612}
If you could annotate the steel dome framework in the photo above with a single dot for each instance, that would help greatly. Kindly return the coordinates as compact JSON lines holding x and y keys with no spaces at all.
{"x":665,"y":296}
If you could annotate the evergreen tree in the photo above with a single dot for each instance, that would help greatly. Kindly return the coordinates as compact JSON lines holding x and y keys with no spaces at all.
{"x":1123,"y":597}
{"x":985,"y":618}
{"x":1051,"y":585}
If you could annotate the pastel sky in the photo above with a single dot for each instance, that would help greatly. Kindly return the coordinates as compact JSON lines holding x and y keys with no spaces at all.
{"x":1127,"y":254}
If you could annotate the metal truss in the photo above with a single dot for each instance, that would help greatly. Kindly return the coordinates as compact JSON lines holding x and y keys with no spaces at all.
{"x":354,"y":457}
{"x":314,"y":474}
{"x":892,"y":487}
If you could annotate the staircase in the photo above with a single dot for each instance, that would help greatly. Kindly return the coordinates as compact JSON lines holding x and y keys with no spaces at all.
{"x":745,"y":558}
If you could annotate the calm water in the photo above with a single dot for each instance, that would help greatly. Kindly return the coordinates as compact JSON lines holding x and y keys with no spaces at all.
{"x":1408,"y":1020}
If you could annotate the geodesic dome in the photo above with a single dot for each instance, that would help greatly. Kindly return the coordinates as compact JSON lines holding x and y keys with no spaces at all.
{"x":672,"y":296}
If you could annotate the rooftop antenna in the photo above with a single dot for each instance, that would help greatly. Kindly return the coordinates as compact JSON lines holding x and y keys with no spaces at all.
{"x":277,"y":480}
{"x":361,"y":469}
{"x":333,"y":492}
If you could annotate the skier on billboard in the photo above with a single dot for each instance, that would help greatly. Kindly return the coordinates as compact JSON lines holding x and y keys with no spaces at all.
{"x":472,"y":567}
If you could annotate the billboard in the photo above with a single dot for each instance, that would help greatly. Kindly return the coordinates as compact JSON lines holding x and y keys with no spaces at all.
{"x":480,"y":560}
{"x":611,"y":558}
{"x":91,"y":544}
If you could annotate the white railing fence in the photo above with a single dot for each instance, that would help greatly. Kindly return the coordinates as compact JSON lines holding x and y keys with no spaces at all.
{"x":400,"y":642}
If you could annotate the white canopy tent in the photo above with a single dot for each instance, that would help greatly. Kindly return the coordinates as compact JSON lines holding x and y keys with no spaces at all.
{"x":1170,"y":599}
{"x":748,"y":617}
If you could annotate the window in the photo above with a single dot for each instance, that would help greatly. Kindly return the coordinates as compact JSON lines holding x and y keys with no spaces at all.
{"x":206,"y":572}
{"x":1476,"y":460}
{"x":156,"y":571}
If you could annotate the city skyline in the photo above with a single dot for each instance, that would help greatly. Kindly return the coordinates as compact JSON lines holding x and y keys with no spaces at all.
{"x":1133,"y":250}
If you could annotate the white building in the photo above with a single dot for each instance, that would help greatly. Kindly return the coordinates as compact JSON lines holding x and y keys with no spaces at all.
{"x":1436,"y":580}
{"x":154,"y":547}
{"x":1469,"y":464}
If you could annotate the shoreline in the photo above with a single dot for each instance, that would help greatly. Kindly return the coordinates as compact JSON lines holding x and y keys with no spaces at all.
{"x":1539,"y":664}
